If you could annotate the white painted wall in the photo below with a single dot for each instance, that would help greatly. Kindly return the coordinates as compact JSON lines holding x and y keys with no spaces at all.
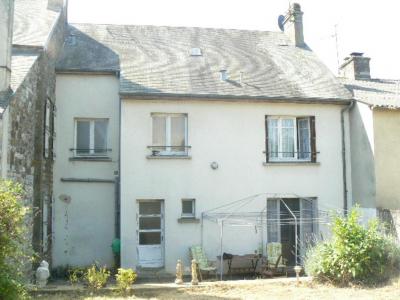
{"x":232,"y":134}
{"x":84,"y":227}
{"x":362,"y":156}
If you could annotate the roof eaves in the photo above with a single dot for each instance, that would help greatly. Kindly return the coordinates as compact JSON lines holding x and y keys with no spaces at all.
{"x":88,"y":71}
{"x":171,"y":96}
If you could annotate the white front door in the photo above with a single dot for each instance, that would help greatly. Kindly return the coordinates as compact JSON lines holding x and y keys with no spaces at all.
{"x":150,"y":234}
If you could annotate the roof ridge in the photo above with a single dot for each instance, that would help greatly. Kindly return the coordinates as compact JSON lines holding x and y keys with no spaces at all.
{"x":177,"y":27}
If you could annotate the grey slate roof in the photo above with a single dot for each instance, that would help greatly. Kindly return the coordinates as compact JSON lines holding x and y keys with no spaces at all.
{"x":32,"y":22}
{"x":156,"y":61}
{"x":21,"y":63}
{"x":383,"y":93}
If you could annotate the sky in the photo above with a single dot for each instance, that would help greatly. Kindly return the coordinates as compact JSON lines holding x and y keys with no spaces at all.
{"x":371,"y":27}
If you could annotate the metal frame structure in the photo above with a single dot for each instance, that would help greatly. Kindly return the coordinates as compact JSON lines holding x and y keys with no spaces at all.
{"x":235,"y":214}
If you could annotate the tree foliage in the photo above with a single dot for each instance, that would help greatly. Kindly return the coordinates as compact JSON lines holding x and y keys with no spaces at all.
{"x":355,"y":254}
{"x":12,"y":241}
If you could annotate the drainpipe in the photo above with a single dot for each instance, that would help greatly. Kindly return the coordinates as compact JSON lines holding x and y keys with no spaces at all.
{"x":345,"y":109}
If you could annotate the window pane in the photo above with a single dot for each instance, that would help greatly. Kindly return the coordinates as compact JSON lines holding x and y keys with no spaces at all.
{"x":100,"y":137}
{"x":187,"y":207}
{"x":150,"y":208}
{"x":303,"y":129}
{"x":150,"y":223}
{"x":287,"y":138}
{"x":178,"y":133}
{"x":273,"y":138}
{"x":83,"y":137}
{"x":150,"y":238}
{"x":272,"y":220}
{"x":159,"y":138}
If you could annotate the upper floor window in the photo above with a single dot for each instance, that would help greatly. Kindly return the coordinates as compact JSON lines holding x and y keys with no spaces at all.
{"x":91,"y":137}
{"x":169,"y":134}
{"x":290,"y":138}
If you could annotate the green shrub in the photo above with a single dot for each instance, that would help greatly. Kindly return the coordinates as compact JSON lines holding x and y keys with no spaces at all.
{"x":355,"y":254}
{"x":13,"y":244}
{"x":76,"y":275}
{"x":96,"y":277}
{"x":125,"y":278}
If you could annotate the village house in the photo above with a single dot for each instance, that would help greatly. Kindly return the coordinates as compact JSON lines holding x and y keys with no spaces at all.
{"x":189,"y":119}
{"x":152,"y":135}
{"x":375,"y":139}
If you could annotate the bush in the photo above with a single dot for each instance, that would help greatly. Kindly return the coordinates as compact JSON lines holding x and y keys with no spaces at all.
{"x":13,"y":246}
{"x":355,"y":254}
{"x":97,"y":277}
{"x":76,"y":275}
{"x":125,"y":278}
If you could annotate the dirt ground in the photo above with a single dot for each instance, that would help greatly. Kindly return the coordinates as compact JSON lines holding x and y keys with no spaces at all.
{"x":257,"y":289}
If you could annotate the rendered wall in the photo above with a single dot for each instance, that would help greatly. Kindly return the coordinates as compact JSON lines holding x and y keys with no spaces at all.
{"x":387,"y":162}
{"x":362,"y":156}
{"x":84,"y":220}
{"x":233,"y":135}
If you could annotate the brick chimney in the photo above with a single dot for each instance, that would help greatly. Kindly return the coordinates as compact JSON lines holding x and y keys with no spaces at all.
{"x":293,"y":24}
{"x":355,"y":67}
{"x":6,"y":25}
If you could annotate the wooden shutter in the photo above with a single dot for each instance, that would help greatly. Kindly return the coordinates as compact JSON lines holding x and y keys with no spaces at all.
{"x":266,"y":140}
{"x":313,"y":140}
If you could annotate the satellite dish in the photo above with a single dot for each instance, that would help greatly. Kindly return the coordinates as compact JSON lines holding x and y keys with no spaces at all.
{"x":281,"y":19}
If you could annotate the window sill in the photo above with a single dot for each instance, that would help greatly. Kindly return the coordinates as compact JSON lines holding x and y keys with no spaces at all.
{"x":186,"y":220}
{"x":88,"y":158}
{"x":168,"y":157}
{"x":291,"y":163}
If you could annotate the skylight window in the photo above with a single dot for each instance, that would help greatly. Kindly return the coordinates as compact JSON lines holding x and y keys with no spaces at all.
{"x":195,"y":52}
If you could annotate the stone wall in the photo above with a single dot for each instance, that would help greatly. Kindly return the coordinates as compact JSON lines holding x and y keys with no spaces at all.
{"x":26,"y":161}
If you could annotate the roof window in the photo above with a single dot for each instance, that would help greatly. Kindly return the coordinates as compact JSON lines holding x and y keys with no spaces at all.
{"x":195,"y":52}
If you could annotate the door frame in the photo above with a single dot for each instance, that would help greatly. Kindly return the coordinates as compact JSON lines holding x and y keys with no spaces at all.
{"x":162,"y":229}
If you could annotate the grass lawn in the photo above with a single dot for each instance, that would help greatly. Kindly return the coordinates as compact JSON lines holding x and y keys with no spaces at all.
{"x":257,"y":289}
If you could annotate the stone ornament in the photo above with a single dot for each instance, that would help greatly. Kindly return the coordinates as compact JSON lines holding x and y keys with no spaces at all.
{"x":42,"y":274}
{"x":298,"y":269}
{"x":194,"y":281}
{"x":179,"y":272}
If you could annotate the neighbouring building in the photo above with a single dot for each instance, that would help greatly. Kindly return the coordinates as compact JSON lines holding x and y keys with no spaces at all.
{"x":31,"y":36}
{"x":159,"y":135}
{"x":375,"y":139}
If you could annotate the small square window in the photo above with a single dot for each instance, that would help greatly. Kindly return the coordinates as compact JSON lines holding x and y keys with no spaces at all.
{"x":188,"y":208}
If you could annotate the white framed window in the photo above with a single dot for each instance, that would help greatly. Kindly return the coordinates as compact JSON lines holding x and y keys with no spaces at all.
{"x":290,"y":138}
{"x":188,"y":208}
{"x":169,"y":134}
{"x":91,"y":137}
